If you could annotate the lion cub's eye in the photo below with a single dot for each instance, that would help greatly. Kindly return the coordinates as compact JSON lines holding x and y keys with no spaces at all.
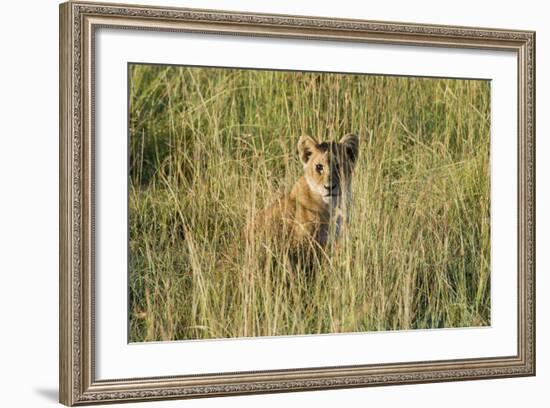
{"x":319,"y":168}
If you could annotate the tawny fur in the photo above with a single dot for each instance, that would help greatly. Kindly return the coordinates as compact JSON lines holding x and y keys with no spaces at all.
{"x":314,"y":210}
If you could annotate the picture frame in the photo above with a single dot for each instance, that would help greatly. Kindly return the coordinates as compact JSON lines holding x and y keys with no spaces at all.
{"x":79,"y":25}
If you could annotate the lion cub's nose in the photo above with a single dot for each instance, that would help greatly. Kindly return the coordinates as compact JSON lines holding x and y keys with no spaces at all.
{"x":329,"y":188}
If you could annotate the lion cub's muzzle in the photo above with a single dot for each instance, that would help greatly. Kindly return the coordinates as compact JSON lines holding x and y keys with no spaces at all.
{"x":332,"y":190}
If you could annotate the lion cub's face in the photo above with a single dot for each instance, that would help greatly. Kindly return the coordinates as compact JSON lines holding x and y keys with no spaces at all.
{"x":328,"y":166}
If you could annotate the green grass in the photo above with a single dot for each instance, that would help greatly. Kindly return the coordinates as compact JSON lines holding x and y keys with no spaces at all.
{"x":208,"y":147}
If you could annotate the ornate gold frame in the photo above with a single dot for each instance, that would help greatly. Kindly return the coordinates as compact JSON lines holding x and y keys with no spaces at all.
{"x":76,"y":346}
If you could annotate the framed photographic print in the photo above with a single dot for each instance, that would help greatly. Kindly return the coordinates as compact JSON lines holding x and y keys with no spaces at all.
{"x":258,"y":203}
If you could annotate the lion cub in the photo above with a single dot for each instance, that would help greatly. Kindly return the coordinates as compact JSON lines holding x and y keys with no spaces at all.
{"x":313,"y":212}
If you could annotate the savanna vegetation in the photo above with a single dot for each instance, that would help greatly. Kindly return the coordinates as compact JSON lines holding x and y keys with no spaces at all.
{"x":209,"y":147}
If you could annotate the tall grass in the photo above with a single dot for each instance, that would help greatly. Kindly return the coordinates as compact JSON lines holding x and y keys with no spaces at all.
{"x":209,"y":147}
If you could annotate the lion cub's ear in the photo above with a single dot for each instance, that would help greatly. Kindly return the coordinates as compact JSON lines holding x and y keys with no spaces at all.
{"x":306,"y":146}
{"x":350,"y":143}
